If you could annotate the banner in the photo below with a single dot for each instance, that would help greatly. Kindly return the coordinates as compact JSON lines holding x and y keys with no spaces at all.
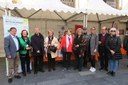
{"x":78,"y":26}
{"x":20,"y":24}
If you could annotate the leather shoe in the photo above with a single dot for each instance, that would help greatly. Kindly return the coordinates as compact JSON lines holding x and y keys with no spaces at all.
{"x":18,"y":77}
{"x":100,"y":69}
{"x":49,"y":70}
{"x":29,"y":72}
{"x":109,"y":73}
{"x":54,"y":69}
{"x":106,"y":69}
{"x":10,"y":80}
{"x":113,"y":74}
{"x":35,"y":72}
{"x":75,"y":68}
{"x":24,"y":74}
{"x":80,"y":70}
{"x":42,"y":70}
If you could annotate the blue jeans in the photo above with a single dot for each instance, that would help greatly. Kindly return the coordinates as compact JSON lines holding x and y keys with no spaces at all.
{"x":113,"y":65}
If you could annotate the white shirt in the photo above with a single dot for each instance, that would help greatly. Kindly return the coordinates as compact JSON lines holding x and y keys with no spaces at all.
{"x":16,"y":42}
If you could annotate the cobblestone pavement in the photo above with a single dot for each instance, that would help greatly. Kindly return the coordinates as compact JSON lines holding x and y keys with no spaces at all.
{"x":72,"y":77}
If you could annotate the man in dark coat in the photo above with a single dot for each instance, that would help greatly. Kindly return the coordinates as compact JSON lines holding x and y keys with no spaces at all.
{"x":125,"y":42}
{"x":37,"y":41}
{"x":86,"y":52}
{"x":102,"y":49}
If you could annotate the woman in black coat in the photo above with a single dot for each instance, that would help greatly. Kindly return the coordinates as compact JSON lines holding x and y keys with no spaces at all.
{"x":113,"y":44}
{"x":79,"y":49}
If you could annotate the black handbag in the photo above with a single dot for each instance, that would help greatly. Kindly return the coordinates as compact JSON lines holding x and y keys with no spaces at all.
{"x":63,"y":49}
{"x":53,"y":48}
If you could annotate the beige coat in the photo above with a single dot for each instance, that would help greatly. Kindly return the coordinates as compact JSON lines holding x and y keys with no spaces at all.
{"x":55,"y":43}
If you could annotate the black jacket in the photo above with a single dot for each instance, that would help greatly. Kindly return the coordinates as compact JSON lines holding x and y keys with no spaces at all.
{"x":81,"y":42}
{"x":86,"y":38}
{"x":106,"y":36}
{"x":37,"y":43}
{"x":114,"y":43}
{"x":125,"y":43}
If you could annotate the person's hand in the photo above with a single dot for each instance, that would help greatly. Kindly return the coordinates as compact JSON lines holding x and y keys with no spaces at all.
{"x":29,"y":48}
{"x":48,"y":45}
{"x":77,"y":46}
{"x":51,"y":45}
{"x":38,"y":51}
{"x":99,"y":42}
{"x":95,"y":51}
{"x":112,"y":52}
{"x":9,"y":57}
{"x":59,"y":51}
{"x":80,"y":56}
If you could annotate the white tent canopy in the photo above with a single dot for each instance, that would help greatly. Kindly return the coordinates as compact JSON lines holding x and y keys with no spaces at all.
{"x":55,"y":9}
{"x":51,"y":5}
{"x":40,"y":9}
{"x":98,"y":6}
{"x":125,"y":9}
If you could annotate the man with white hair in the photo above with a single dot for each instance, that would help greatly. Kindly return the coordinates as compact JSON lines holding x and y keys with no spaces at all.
{"x":11,"y":47}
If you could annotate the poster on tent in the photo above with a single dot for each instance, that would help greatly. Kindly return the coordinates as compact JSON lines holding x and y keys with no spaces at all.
{"x":19,"y":24}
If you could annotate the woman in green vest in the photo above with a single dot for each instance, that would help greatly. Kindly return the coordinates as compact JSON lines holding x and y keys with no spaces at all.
{"x":25,"y":47}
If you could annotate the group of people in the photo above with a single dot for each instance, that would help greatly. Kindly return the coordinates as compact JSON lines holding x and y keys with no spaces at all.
{"x":84,"y":46}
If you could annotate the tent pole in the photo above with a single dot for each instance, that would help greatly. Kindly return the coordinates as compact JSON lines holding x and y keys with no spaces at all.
{"x":6,"y":61}
{"x":99,"y":26}
{"x":85,"y":21}
{"x":99,"y":22}
{"x":46,"y":27}
{"x":126,"y":25}
{"x":113,"y":23}
{"x":17,"y":12}
{"x":6,"y":12}
{"x":9,"y":13}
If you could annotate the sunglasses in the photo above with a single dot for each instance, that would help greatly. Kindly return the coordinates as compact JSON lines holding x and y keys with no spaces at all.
{"x":113,"y":31}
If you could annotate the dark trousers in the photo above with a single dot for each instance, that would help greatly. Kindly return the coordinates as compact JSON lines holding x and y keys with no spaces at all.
{"x":25,"y":62}
{"x":78,"y":61}
{"x":92,"y":60}
{"x":66,"y":59}
{"x":51,"y":61}
{"x":85,"y":58}
{"x":38,"y":63}
{"x":103,"y":58}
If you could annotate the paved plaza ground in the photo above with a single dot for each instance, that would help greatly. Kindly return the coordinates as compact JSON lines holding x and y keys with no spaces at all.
{"x":72,"y":77}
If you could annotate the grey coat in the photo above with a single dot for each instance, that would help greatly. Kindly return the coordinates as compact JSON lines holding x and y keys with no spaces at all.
{"x":10,"y":47}
{"x":93,"y":44}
